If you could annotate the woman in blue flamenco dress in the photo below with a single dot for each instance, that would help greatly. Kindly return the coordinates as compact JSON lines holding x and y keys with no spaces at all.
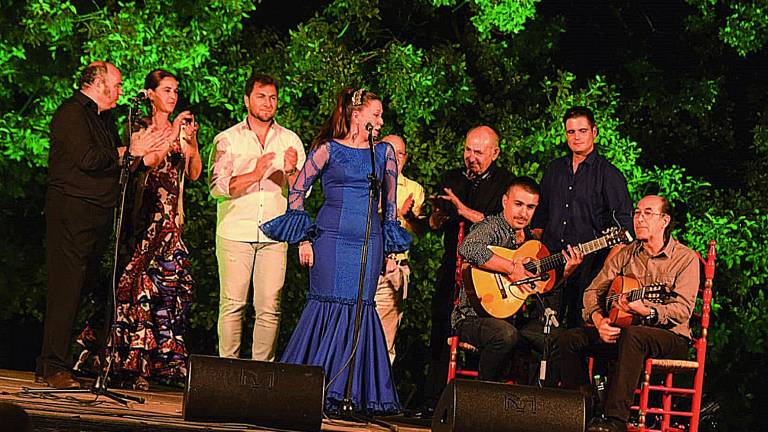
{"x":332,"y":247}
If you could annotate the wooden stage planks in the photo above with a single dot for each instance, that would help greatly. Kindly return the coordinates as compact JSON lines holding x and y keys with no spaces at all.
{"x":161,"y":411}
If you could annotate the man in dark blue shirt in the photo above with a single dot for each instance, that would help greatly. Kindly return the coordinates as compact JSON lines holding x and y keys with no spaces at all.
{"x":582,"y":194}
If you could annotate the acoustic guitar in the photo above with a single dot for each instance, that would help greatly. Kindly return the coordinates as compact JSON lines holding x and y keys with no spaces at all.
{"x":495,"y":294}
{"x":631,"y":288}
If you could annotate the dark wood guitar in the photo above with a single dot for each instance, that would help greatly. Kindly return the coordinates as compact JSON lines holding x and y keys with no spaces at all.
{"x":631,"y":288}
{"x":495,"y":294}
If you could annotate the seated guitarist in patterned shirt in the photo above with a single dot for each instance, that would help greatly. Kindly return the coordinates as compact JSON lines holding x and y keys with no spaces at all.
{"x":496,"y":338}
{"x":663,"y":328}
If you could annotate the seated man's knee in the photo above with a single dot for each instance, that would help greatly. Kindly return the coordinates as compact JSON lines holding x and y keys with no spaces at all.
{"x":634,"y":337}
{"x":508,"y":337}
{"x":569,"y":340}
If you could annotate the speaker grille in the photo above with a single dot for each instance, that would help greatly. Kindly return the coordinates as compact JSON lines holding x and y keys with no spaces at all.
{"x":277,"y":395}
{"x":493,"y":407}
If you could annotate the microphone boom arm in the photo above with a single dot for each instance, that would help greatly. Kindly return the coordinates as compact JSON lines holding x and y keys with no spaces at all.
{"x":541,"y":277}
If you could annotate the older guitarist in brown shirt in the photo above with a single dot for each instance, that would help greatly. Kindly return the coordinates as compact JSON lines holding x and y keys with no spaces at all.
{"x":660,"y":330}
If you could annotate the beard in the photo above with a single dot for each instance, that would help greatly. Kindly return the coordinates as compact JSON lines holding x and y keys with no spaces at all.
{"x":263,"y":118}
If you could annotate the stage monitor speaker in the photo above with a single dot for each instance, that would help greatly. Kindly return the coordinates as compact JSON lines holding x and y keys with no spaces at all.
{"x":276,"y":395}
{"x":481,"y":406}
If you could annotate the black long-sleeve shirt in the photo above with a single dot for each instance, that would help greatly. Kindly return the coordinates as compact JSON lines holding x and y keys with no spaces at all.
{"x":575,"y":208}
{"x":482,"y":193}
{"x":83,"y":158}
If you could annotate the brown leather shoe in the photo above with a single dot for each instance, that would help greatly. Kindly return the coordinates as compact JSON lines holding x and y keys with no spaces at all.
{"x":62,"y":380}
{"x":140,"y":383}
{"x":609,"y":424}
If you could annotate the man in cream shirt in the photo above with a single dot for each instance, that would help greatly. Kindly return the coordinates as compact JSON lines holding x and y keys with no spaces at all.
{"x":393,"y":286}
{"x":252,"y":163}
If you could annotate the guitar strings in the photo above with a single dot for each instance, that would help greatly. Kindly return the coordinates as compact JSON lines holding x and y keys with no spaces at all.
{"x":550,"y":262}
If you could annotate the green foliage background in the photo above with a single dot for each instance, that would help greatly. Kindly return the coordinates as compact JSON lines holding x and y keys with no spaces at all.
{"x":442,"y":67}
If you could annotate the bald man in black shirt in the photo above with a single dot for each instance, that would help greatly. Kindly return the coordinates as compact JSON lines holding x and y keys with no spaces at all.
{"x":466,"y":195}
{"x":83,"y":175}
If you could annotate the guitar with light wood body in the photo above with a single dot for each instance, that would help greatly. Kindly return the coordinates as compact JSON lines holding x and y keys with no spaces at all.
{"x":495,"y":294}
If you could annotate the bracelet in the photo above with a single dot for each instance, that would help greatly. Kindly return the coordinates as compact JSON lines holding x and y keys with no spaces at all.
{"x":652,"y":317}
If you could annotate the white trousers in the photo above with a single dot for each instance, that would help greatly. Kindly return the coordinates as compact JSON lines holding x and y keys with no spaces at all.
{"x":389,"y":297}
{"x":240,"y":264}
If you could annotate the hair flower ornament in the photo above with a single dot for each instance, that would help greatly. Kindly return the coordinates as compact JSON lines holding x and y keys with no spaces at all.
{"x":357,"y":97}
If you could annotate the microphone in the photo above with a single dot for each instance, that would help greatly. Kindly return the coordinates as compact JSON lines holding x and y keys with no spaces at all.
{"x":141,"y":95}
{"x":539,"y":277}
{"x":368,"y":127}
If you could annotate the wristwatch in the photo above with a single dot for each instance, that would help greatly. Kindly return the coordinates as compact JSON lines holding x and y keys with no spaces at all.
{"x":652,"y":317}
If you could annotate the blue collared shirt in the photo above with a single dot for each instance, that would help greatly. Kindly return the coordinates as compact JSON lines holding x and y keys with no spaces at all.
{"x":575,"y":208}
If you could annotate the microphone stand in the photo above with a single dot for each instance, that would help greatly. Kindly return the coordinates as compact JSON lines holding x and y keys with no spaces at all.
{"x":346,"y":407}
{"x":550,"y":320}
{"x":99,"y":388}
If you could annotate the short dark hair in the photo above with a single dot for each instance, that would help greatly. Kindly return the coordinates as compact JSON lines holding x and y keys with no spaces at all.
{"x":91,"y":72}
{"x":262,"y":79}
{"x":526,"y":183}
{"x":579,"y":111}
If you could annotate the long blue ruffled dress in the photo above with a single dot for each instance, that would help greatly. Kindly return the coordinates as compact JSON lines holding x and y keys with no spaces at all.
{"x":324,"y":333}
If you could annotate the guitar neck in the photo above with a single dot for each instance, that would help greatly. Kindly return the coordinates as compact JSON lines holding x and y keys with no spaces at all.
{"x":553,"y":261}
{"x":638,"y":293}
{"x":635,"y":294}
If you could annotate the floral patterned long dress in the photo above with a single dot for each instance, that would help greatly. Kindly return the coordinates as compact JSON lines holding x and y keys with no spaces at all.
{"x":155,"y":290}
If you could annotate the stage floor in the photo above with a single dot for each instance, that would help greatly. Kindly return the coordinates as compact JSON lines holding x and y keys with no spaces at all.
{"x":160,"y":412}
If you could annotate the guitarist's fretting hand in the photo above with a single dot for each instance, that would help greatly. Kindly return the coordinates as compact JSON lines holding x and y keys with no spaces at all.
{"x":573,"y":257}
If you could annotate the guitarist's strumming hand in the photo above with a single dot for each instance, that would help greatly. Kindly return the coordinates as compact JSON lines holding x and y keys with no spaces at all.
{"x":607,"y":332}
{"x":636,"y":307}
{"x":573,"y":257}
{"x":517,"y":271}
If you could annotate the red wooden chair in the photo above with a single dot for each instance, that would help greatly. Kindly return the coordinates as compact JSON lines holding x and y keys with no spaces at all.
{"x":453,"y":341}
{"x":453,"y":369}
{"x":672,"y":367}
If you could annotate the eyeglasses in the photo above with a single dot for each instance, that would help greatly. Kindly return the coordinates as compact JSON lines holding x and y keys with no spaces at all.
{"x":646,"y":213}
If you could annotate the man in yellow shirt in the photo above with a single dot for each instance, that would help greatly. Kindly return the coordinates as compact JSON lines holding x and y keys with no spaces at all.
{"x":393,"y":286}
